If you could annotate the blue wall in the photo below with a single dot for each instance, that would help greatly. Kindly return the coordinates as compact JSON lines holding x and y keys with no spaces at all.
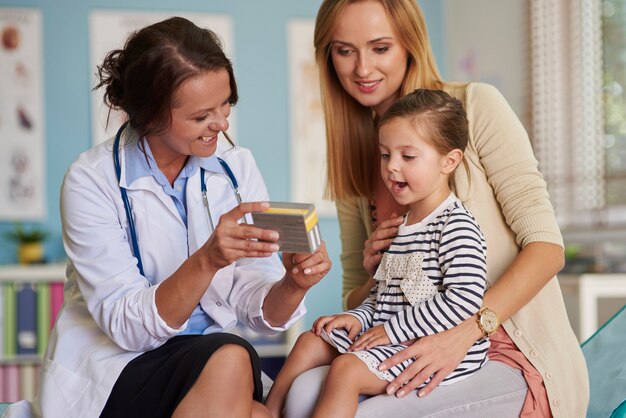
{"x":262,"y":119}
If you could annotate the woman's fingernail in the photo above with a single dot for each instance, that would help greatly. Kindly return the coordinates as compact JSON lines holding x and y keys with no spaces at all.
{"x":274,"y":247}
{"x":421,"y":394}
{"x":391,"y":390}
{"x":307,"y":271}
{"x":401,"y":393}
{"x":274,"y":235}
{"x":382,"y":367}
{"x":265,"y":204}
{"x":294,"y":270}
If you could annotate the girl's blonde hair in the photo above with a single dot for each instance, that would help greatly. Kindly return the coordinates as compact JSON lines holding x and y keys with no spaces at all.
{"x":350,"y":127}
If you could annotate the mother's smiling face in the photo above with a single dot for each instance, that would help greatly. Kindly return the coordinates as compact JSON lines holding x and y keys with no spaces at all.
{"x":369,"y":60}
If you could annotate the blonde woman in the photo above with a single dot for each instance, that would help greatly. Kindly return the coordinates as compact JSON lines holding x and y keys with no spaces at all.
{"x":370,"y":53}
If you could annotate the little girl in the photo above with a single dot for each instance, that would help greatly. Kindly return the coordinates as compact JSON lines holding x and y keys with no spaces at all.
{"x":432,"y":277}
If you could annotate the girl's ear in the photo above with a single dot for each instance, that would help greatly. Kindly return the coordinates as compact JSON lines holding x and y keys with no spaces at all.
{"x":451,"y":160}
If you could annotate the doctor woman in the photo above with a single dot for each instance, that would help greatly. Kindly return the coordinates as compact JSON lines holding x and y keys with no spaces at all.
{"x":152,"y":287}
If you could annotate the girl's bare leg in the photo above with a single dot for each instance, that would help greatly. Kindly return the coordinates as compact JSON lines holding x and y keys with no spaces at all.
{"x":310,"y":351}
{"x":223,"y":389}
{"x":260,"y":411}
{"x":348,"y":378}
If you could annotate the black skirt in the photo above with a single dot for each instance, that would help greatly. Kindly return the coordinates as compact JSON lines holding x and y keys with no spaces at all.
{"x":153,"y":384}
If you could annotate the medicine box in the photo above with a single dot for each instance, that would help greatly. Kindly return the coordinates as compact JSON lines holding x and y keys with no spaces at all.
{"x":296,"y":223}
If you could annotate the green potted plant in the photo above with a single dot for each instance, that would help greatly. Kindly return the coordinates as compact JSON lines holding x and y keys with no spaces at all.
{"x":29,"y":243}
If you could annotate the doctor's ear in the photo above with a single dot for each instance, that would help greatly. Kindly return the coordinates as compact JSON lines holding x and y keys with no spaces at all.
{"x":451,"y":160}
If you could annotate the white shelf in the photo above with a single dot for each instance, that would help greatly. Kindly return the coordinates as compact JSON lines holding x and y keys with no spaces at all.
{"x":20,"y":360}
{"x":55,"y":272}
{"x":52,"y":272}
{"x":583,"y":294}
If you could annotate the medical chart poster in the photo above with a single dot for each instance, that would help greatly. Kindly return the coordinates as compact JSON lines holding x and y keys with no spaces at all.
{"x":308,"y":133}
{"x":109,"y":29}
{"x":22,"y":185}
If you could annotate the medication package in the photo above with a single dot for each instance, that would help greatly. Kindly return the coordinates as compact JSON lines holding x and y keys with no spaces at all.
{"x":296,"y":223}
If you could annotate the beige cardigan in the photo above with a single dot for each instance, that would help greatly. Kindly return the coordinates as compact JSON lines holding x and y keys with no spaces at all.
{"x":508,"y":197}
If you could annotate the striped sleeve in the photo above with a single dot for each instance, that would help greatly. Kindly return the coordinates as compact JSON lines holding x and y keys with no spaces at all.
{"x":365,"y":311}
{"x":462,"y":260}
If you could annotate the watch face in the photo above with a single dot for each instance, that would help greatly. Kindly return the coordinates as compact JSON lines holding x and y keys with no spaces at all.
{"x":489,"y":320}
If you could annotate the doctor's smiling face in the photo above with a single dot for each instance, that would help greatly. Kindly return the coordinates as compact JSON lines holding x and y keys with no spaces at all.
{"x":200,"y":111}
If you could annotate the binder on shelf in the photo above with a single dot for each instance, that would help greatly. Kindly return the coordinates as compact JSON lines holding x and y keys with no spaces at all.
{"x":1,"y":324}
{"x":11,"y":383}
{"x":296,"y":223}
{"x":37,"y":376}
{"x":27,"y":388}
{"x":30,"y":299}
{"x":43,"y":316}
{"x":26,"y":319}
{"x":2,"y":384}
{"x":10,"y":320}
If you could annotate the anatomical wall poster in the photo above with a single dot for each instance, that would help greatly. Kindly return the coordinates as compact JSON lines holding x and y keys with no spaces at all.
{"x":22,"y":130}
{"x":308,"y":134}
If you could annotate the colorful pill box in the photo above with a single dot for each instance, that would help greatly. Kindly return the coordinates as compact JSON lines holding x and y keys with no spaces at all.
{"x":296,"y":223}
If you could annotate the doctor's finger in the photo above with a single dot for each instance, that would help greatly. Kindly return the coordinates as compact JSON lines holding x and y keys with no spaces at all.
{"x":320,"y":268}
{"x":246,"y":207}
{"x":235,"y":248}
{"x":249,"y":246}
{"x":245,"y":232}
{"x":310,"y":259}
{"x":318,"y":257}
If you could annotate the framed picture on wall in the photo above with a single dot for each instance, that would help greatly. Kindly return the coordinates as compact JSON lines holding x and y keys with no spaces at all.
{"x":22,"y":183}
{"x":308,"y":133}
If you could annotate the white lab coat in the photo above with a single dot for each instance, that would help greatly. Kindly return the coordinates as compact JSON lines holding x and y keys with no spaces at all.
{"x":109,"y":316}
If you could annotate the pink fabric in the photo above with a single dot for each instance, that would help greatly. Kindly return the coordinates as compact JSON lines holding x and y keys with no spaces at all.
{"x":504,"y":350}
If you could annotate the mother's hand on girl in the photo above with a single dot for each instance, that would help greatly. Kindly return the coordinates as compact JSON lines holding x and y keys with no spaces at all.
{"x":378,"y":242}
{"x":232,"y":241}
{"x":435,"y":355}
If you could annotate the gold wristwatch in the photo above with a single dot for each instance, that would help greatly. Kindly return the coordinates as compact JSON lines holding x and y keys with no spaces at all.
{"x":488,"y":321}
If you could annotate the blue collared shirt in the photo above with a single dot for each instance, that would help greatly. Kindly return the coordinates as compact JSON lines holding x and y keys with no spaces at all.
{"x":139,"y":164}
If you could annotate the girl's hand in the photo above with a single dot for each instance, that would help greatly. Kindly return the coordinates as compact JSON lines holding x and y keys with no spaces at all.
{"x":342,"y":321}
{"x":232,"y":241}
{"x":379,"y":242}
{"x":438,"y":354}
{"x":305,"y":270}
{"x":373,"y":337}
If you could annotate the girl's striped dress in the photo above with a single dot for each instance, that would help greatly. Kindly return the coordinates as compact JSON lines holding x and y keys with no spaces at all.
{"x":432,"y":278}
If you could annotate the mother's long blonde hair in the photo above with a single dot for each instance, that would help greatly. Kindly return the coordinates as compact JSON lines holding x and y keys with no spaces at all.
{"x":350,"y":127}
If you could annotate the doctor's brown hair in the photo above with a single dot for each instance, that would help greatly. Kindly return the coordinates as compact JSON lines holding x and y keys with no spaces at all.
{"x":142,"y":78}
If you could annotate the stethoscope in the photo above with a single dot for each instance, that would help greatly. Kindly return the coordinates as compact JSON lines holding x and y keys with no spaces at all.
{"x":128,"y":209}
